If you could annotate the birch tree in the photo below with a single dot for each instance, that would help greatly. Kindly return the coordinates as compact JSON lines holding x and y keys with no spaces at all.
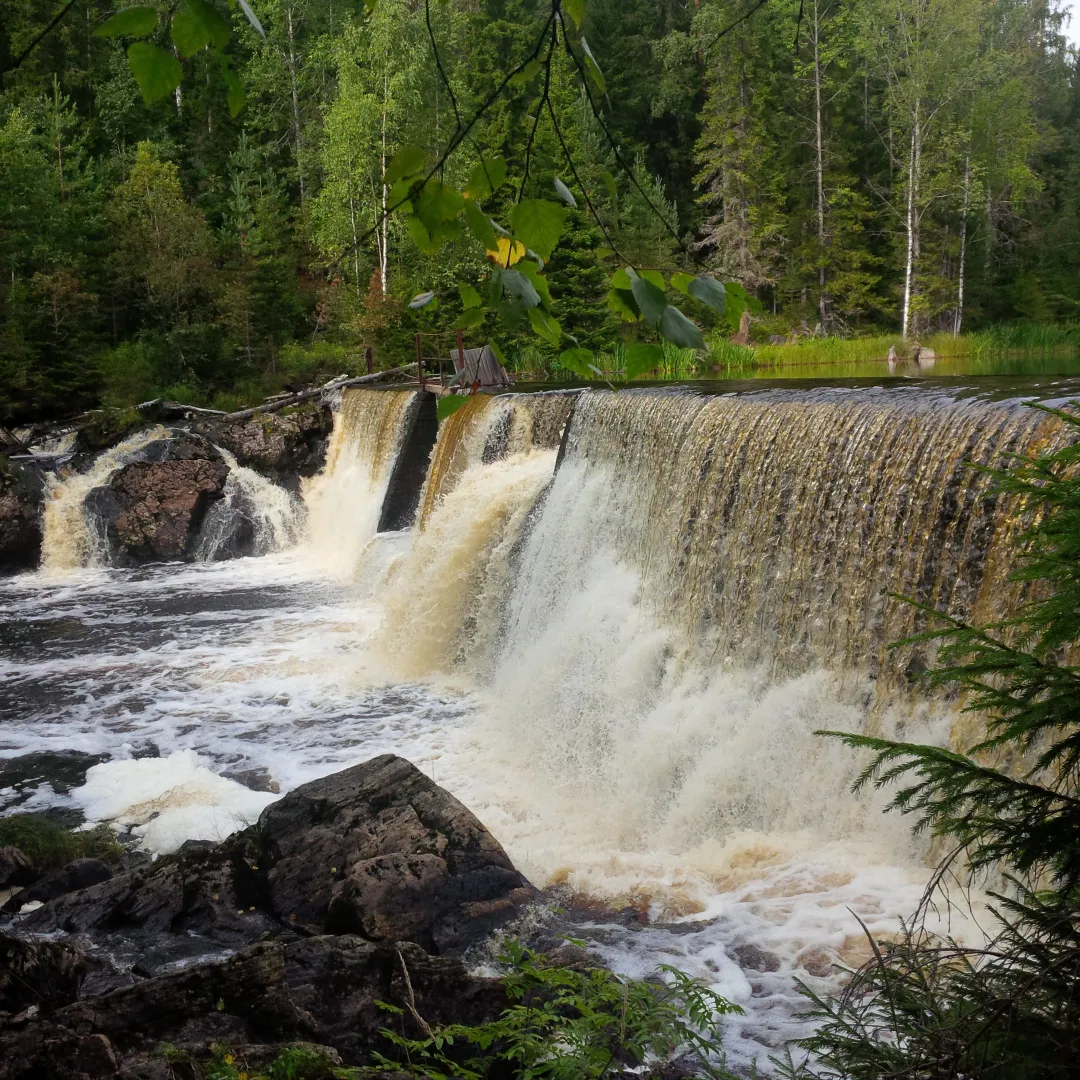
{"x":924,"y":52}
{"x":379,"y":107}
{"x":827,"y":78}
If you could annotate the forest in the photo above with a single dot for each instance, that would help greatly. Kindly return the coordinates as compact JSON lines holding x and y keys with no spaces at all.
{"x":905,"y":166}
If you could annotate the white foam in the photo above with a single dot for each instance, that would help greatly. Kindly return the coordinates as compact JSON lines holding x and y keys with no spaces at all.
{"x":169,"y":800}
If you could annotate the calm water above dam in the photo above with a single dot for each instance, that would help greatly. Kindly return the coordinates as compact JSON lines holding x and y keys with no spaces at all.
{"x":617,"y":664}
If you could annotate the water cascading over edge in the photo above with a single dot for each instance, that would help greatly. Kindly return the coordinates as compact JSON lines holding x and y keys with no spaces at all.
{"x":493,"y":459}
{"x":488,"y":428}
{"x":345,"y":501}
{"x":254,"y":516}
{"x":707,"y":581}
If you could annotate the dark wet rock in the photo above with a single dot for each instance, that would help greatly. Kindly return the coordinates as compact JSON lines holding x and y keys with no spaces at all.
{"x":283,"y":446}
{"x":21,"y":506}
{"x":293,"y":930}
{"x":322,"y":991}
{"x":258,"y":779}
{"x":382,"y":851}
{"x":134,"y":860}
{"x":78,"y":874}
{"x":48,"y":1050}
{"x":38,"y":974}
{"x":62,"y":770}
{"x":238,"y":1001}
{"x":16,"y":868}
{"x":754,"y":958}
{"x":152,"y":508}
{"x":213,"y":893}
{"x":378,"y":850}
{"x":229,"y":530}
{"x":339,"y":980}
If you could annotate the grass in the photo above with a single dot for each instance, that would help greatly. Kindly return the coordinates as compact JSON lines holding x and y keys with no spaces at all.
{"x":995,"y":340}
{"x":50,"y":847}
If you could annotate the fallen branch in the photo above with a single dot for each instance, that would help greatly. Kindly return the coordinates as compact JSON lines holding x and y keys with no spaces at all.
{"x":412,"y":999}
{"x":305,"y":395}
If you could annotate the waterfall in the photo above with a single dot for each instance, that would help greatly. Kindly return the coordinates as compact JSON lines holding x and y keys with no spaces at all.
{"x":488,"y":428}
{"x":253,"y":517}
{"x":775,"y":528}
{"x":705,"y":583}
{"x":70,"y":538}
{"x":345,"y":500}
{"x":444,"y":600}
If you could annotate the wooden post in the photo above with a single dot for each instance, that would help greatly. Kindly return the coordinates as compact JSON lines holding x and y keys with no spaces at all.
{"x":370,"y":360}
{"x":461,"y":350}
{"x":419,"y":362}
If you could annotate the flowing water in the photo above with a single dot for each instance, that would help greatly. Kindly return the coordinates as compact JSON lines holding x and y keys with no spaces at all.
{"x":615,"y":652}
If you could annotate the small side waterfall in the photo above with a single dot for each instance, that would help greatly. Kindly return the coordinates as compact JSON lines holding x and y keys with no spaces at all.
{"x":70,"y":539}
{"x":345,"y":501}
{"x":488,"y":428}
{"x":445,"y":599}
{"x":255,"y":517}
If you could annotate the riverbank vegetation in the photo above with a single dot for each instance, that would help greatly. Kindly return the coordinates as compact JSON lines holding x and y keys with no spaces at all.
{"x":228,"y":238}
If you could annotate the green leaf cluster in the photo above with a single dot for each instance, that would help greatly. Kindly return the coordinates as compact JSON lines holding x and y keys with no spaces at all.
{"x":195,"y":26}
{"x":566,"y":1023}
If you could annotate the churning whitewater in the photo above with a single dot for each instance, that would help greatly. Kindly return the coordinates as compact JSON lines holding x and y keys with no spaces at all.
{"x":612,"y":633}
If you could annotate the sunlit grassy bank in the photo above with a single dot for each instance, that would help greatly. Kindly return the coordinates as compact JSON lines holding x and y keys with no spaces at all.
{"x":992,"y":341}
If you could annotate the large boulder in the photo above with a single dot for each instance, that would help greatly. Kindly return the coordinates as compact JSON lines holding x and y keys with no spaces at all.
{"x":294,"y":930}
{"x":78,"y":874}
{"x":194,"y":903}
{"x":378,"y":850}
{"x":151,"y":509}
{"x":21,"y":503}
{"x":283,"y":446}
{"x":382,"y":851}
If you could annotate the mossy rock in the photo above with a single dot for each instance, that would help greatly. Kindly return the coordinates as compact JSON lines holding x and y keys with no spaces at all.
{"x":49,"y":846}
{"x":107,"y":427}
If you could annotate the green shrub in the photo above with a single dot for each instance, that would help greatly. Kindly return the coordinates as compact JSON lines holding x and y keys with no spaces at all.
{"x":50,"y":846}
{"x":107,"y":427}
{"x":129,"y":374}
{"x":569,"y":1023}
{"x":299,"y":1062}
{"x":730,"y":359}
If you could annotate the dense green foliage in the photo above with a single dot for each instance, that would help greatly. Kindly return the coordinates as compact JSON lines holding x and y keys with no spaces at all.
{"x":568,"y":1023}
{"x":562,"y":1023}
{"x":1008,"y":808}
{"x":229,"y":236}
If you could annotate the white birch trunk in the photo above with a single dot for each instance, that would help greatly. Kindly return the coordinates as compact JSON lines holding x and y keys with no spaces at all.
{"x":959,"y":320}
{"x":297,"y":135}
{"x":384,"y":224}
{"x":911,"y":223}
{"x":819,"y":152}
{"x":355,"y":231}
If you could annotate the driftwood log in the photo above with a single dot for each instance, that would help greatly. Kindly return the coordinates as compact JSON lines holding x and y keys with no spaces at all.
{"x":158,"y":407}
{"x":326,"y":388}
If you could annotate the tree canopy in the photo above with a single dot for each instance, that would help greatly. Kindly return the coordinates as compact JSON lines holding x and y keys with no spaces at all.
{"x":207,"y":197}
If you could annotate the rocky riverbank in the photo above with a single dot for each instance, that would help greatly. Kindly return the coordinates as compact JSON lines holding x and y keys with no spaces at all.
{"x":363,"y":887}
{"x":151,"y":506}
{"x":21,"y":499}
